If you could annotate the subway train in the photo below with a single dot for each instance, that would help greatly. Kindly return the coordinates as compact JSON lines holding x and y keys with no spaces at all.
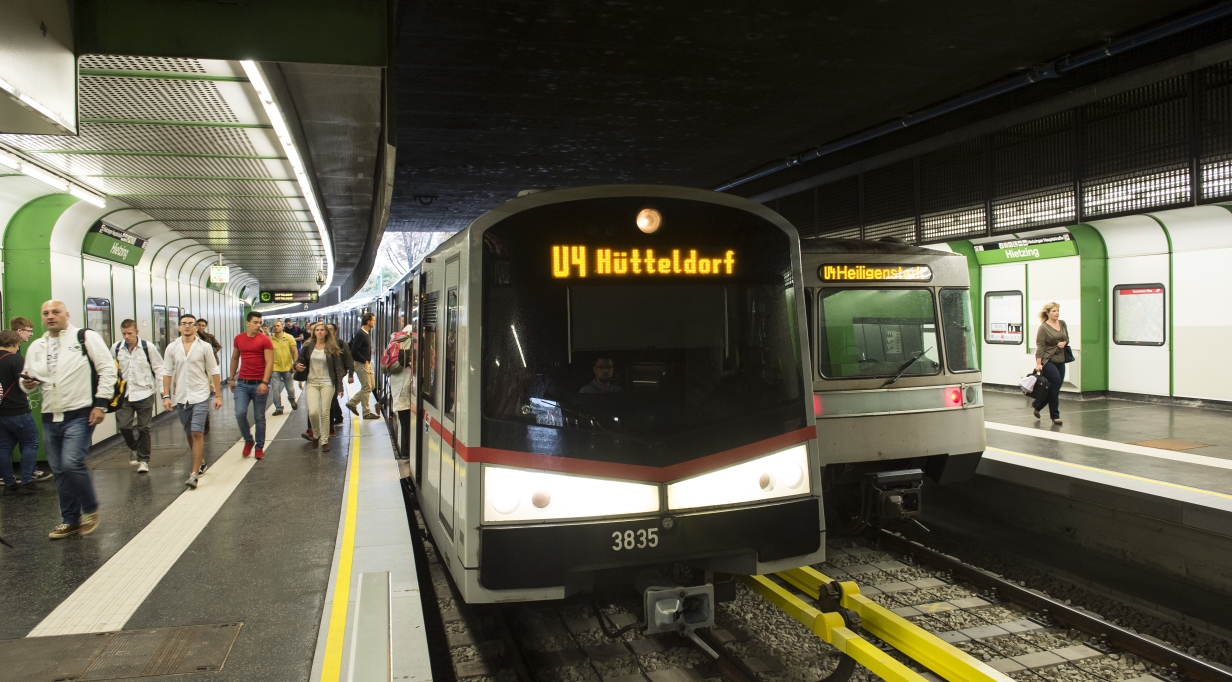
{"x":896,"y":378}
{"x":608,"y":383}
{"x":1142,"y":296}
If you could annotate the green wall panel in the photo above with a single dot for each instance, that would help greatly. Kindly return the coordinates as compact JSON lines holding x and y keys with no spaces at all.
{"x":27,"y":268}
{"x":1096,"y":332}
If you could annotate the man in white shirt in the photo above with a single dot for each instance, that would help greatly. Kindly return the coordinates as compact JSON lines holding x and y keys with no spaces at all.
{"x":191,"y":369}
{"x":78,"y":378}
{"x":140,"y":365}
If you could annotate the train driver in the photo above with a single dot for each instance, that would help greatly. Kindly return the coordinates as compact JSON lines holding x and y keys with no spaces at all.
{"x":603,"y":370}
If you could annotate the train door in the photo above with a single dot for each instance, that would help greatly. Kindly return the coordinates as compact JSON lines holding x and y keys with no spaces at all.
{"x":429,"y":388}
{"x":449,"y":393}
{"x":417,"y":439}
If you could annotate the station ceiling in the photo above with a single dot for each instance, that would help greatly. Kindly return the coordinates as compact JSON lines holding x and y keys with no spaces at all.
{"x":496,"y":97}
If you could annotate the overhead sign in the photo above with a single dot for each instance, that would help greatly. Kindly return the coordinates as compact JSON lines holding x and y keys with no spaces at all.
{"x":107,"y":242}
{"x":220,"y":274}
{"x":289,"y":297}
{"x":1037,"y":248}
{"x":573,"y":261}
{"x":877,"y":272}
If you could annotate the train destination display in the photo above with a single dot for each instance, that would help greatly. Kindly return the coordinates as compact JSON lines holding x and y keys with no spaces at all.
{"x":572,"y":261}
{"x":878,"y":272}
{"x":289,"y":297}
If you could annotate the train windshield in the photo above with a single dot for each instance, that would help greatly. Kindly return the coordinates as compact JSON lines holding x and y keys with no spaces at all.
{"x":959,"y":330}
{"x":867,"y":333}
{"x":653,"y":368}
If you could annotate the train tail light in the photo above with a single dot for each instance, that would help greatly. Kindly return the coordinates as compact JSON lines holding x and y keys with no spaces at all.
{"x":953,"y":396}
{"x":817,"y":411}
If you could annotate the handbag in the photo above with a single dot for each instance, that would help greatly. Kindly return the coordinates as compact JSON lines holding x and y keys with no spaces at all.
{"x":1069,"y":354}
{"x":1040,"y":390}
{"x":301,"y":375}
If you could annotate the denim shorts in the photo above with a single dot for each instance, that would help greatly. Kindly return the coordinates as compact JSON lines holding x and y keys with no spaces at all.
{"x":193,"y":415}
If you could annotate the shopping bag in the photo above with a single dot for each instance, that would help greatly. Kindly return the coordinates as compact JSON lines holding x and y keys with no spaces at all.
{"x":1027,"y":383}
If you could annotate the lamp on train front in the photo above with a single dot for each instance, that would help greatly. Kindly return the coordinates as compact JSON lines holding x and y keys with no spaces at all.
{"x":649,"y":220}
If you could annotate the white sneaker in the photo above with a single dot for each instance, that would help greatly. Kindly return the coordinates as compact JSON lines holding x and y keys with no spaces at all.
{"x":143,"y":468}
{"x":132,"y":456}
{"x":191,"y":482}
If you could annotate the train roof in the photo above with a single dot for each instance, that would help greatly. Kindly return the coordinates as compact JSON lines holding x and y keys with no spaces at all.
{"x":867,"y":246}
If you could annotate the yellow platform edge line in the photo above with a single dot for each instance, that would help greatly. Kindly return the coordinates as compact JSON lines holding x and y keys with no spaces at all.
{"x":1118,"y":474}
{"x":331,"y":666}
{"x":920,"y":645}
{"x":831,"y":629}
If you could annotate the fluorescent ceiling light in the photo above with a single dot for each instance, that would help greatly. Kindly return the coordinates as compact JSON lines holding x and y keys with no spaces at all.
{"x":87,"y":196}
{"x":33,"y":104}
{"x":43,"y":176}
{"x":297,"y":163}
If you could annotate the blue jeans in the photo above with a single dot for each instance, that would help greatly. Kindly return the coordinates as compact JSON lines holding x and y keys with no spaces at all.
{"x":279,"y":380}
{"x":18,"y":429}
{"x":244,"y":394}
{"x":68,"y":442}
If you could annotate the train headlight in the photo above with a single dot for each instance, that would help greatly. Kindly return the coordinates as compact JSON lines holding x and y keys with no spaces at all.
{"x":526,"y":495}
{"x":783,"y":474}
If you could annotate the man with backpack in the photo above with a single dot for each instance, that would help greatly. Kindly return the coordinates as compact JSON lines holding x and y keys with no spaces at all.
{"x":78,"y":377}
{"x":361,"y":352}
{"x":141,"y":366}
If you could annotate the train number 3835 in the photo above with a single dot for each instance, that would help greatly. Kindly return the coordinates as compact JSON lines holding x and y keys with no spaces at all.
{"x":635,"y":539}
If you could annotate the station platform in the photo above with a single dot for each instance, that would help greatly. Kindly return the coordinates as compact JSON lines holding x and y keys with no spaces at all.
{"x":1140,"y":484}
{"x":254,"y":575}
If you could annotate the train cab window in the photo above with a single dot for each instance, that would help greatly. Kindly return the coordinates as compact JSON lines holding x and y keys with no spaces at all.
{"x":160,"y":328}
{"x":1138,"y":315}
{"x":958,"y":329}
{"x":1003,"y":317}
{"x":451,"y":351}
{"x":98,"y":317}
{"x":867,"y":333}
{"x":648,"y":370}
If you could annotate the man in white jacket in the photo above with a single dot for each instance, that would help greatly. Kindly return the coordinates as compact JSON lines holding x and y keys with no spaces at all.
{"x":77,"y":375}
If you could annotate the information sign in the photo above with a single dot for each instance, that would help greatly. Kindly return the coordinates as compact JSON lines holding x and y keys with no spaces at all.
{"x":580,"y":261}
{"x":220,"y":274}
{"x":107,"y":242}
{"x":289,"y":297}
{"x":1035,"y":248}
{"x":1004,"y":314}
{"x":1138,"y":312}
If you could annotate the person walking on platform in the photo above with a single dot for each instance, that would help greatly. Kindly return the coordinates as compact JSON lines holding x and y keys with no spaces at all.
{"x":289,"y":326}
{"x":251,"y":366}
{"x":284,"y":360}
{"x":141,"y":366}
{"x":25,"y":329}
{"x":335,"y":408}
{"x":78,"y":378}
{"x":191,"y":377}
{"x":209,"y":338}
{"x":16,"y":423}
{"x":361,"y":352}
{"x":321,"y":358}
{"x":1051,"y":341}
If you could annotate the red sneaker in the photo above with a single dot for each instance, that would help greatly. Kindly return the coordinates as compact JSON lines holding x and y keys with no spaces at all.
{"x":260,"y":454}
{"x":248,"y":448}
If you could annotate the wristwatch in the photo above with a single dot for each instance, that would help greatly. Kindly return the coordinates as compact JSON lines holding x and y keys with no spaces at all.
{"x":166,"y":397}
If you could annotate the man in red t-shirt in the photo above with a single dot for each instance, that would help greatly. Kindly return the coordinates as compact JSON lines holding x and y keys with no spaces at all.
{"x":251,"y":365}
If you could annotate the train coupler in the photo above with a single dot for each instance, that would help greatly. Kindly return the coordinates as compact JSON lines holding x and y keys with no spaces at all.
{"x":893,"y":495}
{"x":678,"y":609}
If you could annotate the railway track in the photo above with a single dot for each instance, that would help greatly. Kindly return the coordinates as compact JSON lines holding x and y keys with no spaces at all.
{"x":913,"y":615}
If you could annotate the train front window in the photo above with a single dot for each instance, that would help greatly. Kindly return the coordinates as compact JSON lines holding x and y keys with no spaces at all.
{"x":866,"y":333}
{"x":958,"y":328}
{"x":641,"y":370}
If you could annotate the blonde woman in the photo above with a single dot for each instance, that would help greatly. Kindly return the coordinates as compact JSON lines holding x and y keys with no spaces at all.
{"x":1050,"y":343}
{"x":321,"y":357}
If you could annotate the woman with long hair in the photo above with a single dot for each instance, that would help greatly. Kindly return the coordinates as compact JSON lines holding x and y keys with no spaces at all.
{"x":1050,"y":342}
{"x":321,"y":357}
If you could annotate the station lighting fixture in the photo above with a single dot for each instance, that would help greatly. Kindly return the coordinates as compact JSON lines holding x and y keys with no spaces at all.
{"x":274,"y":113}
{"x":34,"y":104}
{"x":526,"y":495}
{"x":782,"y":474}
{"x":50,"y":178}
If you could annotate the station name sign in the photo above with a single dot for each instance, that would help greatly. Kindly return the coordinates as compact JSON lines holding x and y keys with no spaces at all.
{"x":863,"y":272}
{"x":107,"y":242}
{"x":581,"y":261}
{"x":289,"y":297}
{"x":1035,"y":248}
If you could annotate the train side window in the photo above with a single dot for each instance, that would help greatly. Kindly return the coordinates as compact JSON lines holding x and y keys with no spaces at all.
{"x":98,"y":317}
{"x":1003,"y":317}
{"x":451,"y":351}
{"x":958,"y":330}
{"x":808,"y":314}
{"x":1139,"y":315}
{"x":173,"y":323}
{"x":160,"y":328}
{"x":427,"y":364}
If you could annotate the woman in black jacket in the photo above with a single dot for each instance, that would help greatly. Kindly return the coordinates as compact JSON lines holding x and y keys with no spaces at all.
{"x":320,"y":361}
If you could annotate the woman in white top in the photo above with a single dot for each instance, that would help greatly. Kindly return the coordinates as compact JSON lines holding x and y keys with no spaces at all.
{"x":321,"y":357}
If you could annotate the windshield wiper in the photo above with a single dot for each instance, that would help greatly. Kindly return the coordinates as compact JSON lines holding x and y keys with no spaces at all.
{"x":902,"y":369}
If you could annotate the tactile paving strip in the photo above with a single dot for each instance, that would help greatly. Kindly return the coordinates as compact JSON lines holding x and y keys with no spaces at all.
{"x":119,"y":655}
